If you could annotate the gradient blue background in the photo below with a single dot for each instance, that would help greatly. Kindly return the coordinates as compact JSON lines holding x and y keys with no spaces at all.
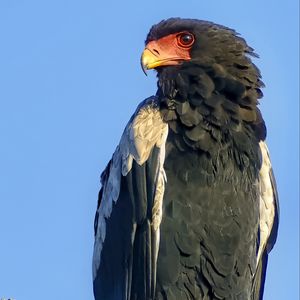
{"x":69,"y":81}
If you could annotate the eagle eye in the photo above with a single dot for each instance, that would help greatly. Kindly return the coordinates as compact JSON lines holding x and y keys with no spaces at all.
{"x":185,"y":39}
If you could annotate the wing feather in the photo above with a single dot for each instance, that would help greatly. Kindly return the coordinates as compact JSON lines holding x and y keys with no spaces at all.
{"x":130,"y":208}
{"x":269,"y":219}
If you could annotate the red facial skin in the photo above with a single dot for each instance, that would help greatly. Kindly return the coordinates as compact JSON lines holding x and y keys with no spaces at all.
{"x":170,"y":50}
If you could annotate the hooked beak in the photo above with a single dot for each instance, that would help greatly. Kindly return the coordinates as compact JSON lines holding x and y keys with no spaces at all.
{"x":151,"y":60}
{"x":144,"y":62}
{"x":155,"y":56}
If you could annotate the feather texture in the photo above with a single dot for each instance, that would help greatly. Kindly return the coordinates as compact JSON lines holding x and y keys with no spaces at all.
{"x":141,"y":151}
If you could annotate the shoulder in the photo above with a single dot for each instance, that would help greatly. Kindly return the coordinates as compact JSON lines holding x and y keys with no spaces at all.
{"x":269,"y":205}
{"x":145,"y":130}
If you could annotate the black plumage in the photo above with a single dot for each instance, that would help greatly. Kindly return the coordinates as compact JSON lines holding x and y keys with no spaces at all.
{"x":205,"y":163}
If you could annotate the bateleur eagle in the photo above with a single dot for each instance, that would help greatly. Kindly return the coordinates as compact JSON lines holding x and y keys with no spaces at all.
{"x":188,"y":207}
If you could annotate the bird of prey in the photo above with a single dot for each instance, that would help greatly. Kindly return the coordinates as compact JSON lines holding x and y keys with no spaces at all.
{"x":188,"y":207}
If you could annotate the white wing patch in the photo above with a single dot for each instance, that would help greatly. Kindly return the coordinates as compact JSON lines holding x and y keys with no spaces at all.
{"x":141,"y":134}
{"x":267,"y":200}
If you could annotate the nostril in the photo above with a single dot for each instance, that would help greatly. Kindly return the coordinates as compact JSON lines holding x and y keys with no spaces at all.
{"x":156,"y":51}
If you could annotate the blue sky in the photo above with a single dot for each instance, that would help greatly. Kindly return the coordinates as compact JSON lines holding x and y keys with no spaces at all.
{"x":69,"y":81}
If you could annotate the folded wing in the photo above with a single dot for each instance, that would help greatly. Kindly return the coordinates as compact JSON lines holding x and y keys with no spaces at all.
{"x":269,"y":218}
{"x":130,"y":209}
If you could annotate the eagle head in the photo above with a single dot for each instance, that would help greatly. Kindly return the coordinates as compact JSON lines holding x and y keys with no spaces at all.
{"x":209,"y":66}
{"x":181,"y":42}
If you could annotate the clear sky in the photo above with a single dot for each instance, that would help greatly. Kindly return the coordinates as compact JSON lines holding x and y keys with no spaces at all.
{"x":69,"y":81}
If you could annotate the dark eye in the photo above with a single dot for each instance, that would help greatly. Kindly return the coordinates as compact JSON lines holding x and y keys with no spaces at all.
{"x":185,"y":39}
